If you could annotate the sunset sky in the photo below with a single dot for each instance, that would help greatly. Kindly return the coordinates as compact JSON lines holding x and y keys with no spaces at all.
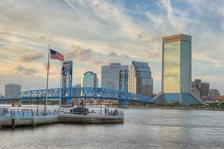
{"x":93,"y":33}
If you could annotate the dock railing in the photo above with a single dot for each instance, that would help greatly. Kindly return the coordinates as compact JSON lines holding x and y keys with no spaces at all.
{"x":31,"y":112}
{"x":104,"y":112}
{"x":12,"y":112}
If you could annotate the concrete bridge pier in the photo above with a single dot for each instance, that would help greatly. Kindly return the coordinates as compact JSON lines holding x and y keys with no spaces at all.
{"x":125,"y":102}
{"x":13,"y":124}
{"x":69,"y":101}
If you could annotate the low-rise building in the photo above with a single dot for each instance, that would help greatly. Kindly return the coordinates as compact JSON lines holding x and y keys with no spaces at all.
{"x":212,"y":94}
{"x":199,"y":88}
{"x":219,"y":98}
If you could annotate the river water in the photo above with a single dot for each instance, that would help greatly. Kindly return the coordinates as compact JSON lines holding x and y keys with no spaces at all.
{"x":142,"y":129}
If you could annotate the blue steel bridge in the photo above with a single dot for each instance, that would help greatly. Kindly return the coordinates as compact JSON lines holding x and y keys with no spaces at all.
{"x":84,"y":92}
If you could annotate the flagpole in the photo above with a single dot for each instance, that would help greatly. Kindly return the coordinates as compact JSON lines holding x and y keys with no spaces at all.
{"x":61,"y":85}
{"x":48,"y":65}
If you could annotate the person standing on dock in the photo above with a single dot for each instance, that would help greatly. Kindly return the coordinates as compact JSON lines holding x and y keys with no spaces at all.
{"x":105,"y":111}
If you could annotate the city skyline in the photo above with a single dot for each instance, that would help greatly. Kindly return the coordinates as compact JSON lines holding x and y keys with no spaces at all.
{"x":97,"y":33}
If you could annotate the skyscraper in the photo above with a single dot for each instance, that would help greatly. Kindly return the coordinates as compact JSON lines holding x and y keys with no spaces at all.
{"x":89,"y":80}
{"x":110,"y":76}
{"x":139,"y":79}
{"x":12,"y":90}
{"x":176,"y":70}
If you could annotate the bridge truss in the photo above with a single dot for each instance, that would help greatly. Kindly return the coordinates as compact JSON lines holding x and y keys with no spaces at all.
{"x":84,"y":92}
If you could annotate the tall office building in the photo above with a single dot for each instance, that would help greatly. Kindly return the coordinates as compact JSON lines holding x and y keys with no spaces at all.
{"x":176,"y":70}
{"x":112,"y":74}
{"x":89,"y":80}
{"x":139,"y":79}
{"x":12,"y":90}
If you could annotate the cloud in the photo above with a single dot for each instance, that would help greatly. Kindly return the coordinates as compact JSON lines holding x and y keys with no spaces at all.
{"x":96,"y":62}
{"x":119,"y":57}
{"x":168,"y":6}
{"x":82,"y":55}
{"x":154,"y":56}
{"x":79,"y":54}
{"x":30,"y":56}
{"x":20,"y":70}
{"x":113,"y":54}
{"x":141,"y":35}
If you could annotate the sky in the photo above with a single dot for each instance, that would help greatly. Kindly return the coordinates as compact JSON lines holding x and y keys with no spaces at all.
{"x":93,"y":33}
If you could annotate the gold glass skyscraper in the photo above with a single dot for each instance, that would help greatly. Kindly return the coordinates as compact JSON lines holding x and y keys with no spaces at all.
{"x":176,"y":70}
{"x":176,"y":64}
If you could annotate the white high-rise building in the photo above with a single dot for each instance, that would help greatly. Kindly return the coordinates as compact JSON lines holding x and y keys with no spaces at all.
{"x":111,"y":76}
{"x":89,"y":80}
{"x":12,"y":90}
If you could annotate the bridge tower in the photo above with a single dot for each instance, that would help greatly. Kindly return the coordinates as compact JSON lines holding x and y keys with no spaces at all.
{"x":67,"y":81}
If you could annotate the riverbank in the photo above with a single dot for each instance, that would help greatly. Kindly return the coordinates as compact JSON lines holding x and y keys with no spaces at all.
{"x":177,"y":108}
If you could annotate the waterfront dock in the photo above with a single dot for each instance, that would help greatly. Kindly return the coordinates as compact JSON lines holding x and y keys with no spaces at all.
{"x":90,"y":119}
{"x":29,"y":117}
{"x":26,"y":117}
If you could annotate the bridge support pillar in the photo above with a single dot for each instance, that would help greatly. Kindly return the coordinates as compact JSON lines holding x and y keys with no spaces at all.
{"x":126,"y":103}
{"x":69,"y":101}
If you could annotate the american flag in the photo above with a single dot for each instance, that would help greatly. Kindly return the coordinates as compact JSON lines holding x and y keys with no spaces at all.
{"x":56,"y":55}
